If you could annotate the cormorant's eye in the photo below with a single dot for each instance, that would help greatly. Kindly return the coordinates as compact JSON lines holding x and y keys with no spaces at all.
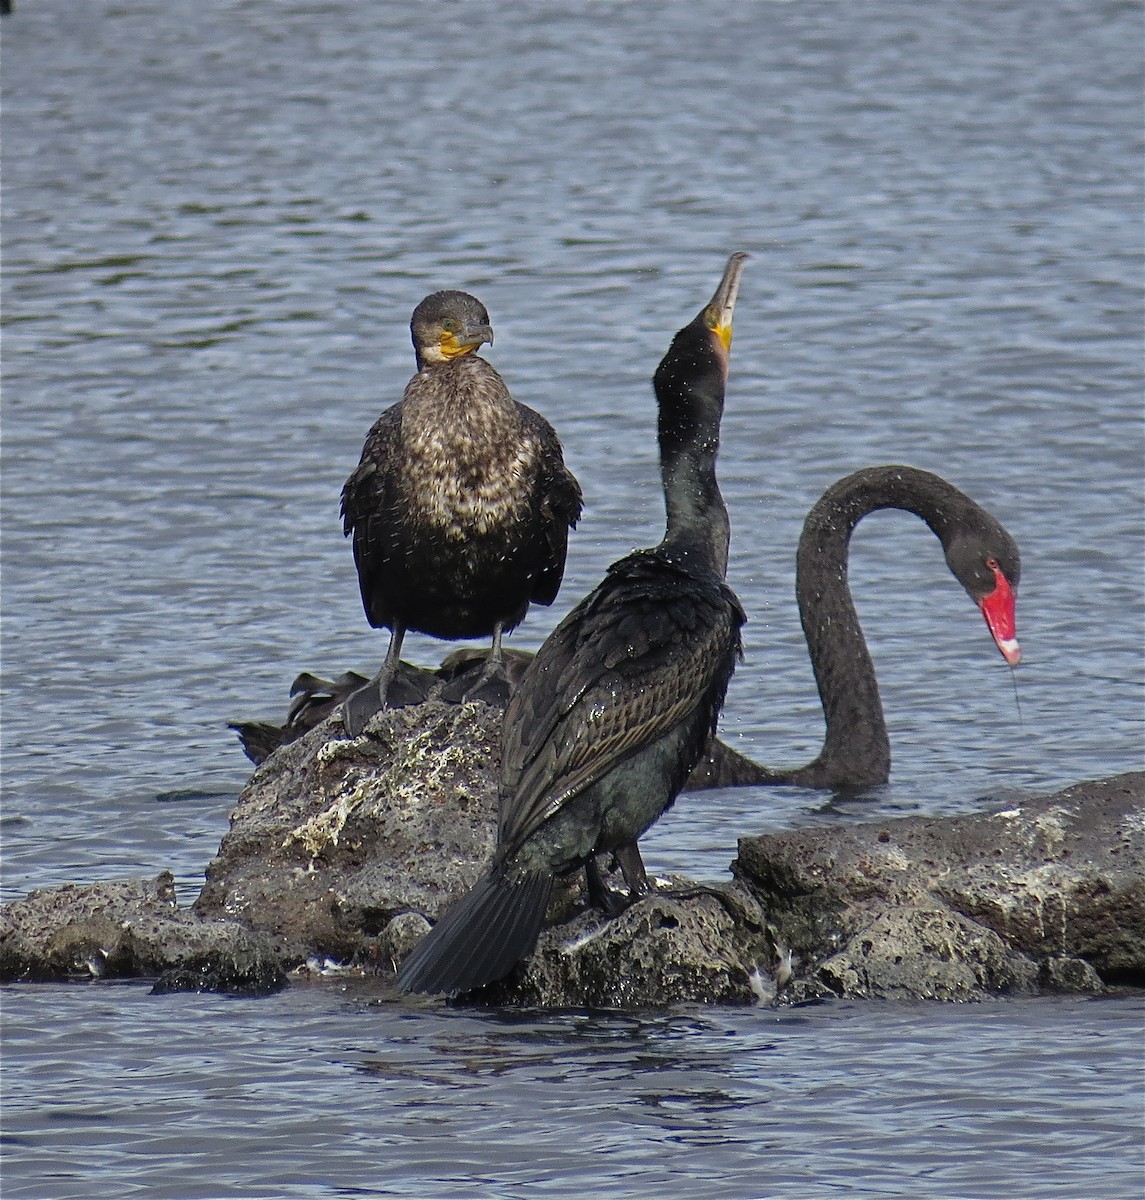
{"x":449,"y":325}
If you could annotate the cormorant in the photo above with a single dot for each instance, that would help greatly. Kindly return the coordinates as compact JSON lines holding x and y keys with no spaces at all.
{"x":461,"y":505}
{"x":616,"y":708}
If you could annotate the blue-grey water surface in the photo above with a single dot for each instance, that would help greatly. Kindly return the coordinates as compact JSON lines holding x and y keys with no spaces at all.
{"x":216,"y":220}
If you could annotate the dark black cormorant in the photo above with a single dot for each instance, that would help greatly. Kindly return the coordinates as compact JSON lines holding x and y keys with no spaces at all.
{"x":461,"y":505}
{"x":615,"y":710}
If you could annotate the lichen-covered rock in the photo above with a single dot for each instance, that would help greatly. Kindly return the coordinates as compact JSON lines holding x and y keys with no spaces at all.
{"x":131,"y":928}
{"x":333,"y":837}
{"x":1049,"y":894}
{"x":341,"y":852}
{"x":710,"y":947}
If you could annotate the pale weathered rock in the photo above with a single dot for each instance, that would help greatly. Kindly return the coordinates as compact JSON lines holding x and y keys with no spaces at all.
{"x":333,"y":837}
{"x":1046,"y":894}
{"x":131,"y":929}
{"x":339,"y":850}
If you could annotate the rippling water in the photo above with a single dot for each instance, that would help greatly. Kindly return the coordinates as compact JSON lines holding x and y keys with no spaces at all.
{"x":216,"y":221}
{"x":316,"y":1092}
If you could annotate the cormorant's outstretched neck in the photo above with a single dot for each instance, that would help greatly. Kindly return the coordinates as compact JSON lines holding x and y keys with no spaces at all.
{"x":461,"y":505}
{"x":980,"y":554}
{"x":614,"y":711}
{"x":689,"y":384}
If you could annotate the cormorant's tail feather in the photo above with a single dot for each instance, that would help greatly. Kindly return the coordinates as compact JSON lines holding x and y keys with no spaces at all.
{"x":481,"y":937}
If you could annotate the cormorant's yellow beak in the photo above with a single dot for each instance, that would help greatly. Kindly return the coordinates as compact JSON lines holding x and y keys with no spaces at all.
{"x":718,"y":313}
{"x":723,"y":330}
{"x":454,"y":344}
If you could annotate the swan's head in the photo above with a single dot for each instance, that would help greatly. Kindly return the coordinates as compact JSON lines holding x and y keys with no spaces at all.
{"x":985,"y":560}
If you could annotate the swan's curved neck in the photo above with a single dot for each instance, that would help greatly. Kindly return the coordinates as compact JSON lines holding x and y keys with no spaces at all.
{"x":857,"y":748}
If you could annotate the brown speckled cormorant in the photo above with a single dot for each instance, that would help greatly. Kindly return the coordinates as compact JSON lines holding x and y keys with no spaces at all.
{"x":980,"y":553}
{"x":461,"y":505}
{"x":617,"y":706}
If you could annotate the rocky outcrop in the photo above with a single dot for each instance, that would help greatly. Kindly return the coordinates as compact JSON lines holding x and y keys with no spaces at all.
{"x":345,"y":850}
{"x":132,"y":928}
{"x":313,"y":699}
{"x":333,"y":838}
{"x":1045,"y":895}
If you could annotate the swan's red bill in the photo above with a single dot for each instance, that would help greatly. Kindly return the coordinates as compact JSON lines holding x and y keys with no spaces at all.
{"x":998,"y":609}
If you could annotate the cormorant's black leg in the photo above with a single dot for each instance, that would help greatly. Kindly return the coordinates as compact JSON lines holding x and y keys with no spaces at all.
{"x":632,"y":867}
{"x":491,"y":684}
{"x":599,"y":895}
{"x":361,"y":705}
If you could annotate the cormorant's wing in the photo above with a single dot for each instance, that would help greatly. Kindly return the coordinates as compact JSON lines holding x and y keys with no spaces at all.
{"x":558,"y":503}
{"x":651,"y":644}
{"x":366,"y":507}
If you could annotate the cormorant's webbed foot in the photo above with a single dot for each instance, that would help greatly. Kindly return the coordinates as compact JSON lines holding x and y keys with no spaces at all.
{"x":396,"y":688}
{"x":486,"y":681}
{"x":628,"y":859}
{"x":733,"y":904}
{"x":361,"y":705}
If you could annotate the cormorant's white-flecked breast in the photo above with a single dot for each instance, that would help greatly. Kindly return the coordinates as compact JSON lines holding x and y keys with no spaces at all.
{"x":467,"y":457}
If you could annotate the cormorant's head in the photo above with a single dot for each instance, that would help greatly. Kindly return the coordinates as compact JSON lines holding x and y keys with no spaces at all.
{"x":447,"y":325}
{"x":717,"y":314}
{"x":698,"y":356}
{"x":689,"y":385}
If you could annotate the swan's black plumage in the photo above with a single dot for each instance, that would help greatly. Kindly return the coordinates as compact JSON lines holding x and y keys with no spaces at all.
{"x":980,"y":553}
{"x":613,"y":713}
{"x":461,"y":505}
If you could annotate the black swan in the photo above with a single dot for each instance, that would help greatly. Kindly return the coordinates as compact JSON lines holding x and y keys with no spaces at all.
{"x":982,"y":556}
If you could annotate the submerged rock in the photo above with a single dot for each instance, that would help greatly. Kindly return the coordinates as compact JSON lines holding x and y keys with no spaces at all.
{"x":345,"y":850}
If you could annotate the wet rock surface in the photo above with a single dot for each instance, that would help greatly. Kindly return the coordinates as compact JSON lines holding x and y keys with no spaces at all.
{"x":344,"y":850}
{"x":1045,"y":895}
{"x":132,"y":928}
{"x":704,"y":948}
